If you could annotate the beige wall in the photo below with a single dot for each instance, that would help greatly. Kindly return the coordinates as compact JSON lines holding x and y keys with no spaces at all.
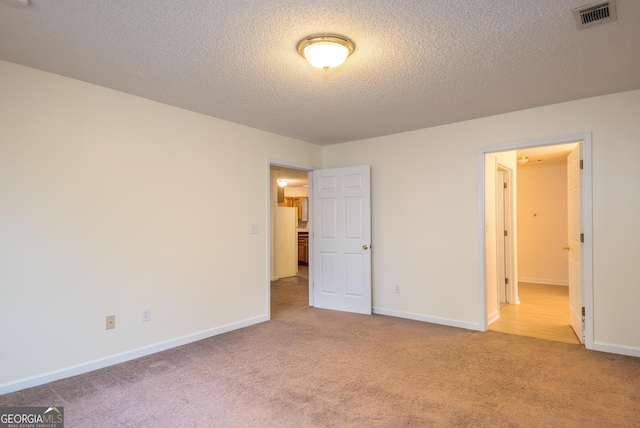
{"x":111,"y":203}
{"x":426,"y":210}
{"x":542,"y":223}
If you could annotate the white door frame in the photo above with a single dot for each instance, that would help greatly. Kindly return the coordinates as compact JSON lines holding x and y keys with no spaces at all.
{"x":509,"y":263}
{"x":291,"y":165}
{"x":586,"y":211}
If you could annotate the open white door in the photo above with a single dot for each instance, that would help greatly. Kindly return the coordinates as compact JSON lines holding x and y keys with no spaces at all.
{"x":501,"y":238}
{"x":574,"y":247}
{"x":341,"y":204}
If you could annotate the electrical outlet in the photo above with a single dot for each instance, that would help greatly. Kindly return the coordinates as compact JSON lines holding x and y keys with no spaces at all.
{"x":146,"y":315}
{"x":111,"y":322}
{"x":396,"y":288}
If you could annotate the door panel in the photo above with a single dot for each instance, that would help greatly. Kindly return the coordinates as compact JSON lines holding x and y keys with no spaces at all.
{"x":353,"y":218}
{"x":575,"y":227}
{"x":341,"y":239}
{"x":328,"y":273}
{"x":353,"y":275}
{"x":328,"y":219}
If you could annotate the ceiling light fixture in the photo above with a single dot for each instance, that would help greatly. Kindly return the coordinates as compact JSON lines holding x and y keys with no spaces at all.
{"x":523,"y":160}
{"x":325,"y":50}
{"x":282,"y":182}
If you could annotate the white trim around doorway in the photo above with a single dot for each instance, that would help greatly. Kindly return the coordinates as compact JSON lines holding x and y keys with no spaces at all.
{"x":587,"y":223}
{"x":286,"y":164}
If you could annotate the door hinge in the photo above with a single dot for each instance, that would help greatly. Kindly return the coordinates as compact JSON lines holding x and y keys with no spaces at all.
{"x":506,"y":281}
{"x":505,"y":233}
{"x":505,"y":185}
{"x":582,"y":237}
{"x":581,"y":164}
{"x":584,"y":330}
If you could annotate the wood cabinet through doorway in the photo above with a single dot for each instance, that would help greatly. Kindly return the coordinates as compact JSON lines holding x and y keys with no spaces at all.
{"x":302,"y":204}
{"x":303,"y":248}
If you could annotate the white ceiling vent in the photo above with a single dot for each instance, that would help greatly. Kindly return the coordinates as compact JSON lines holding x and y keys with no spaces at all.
{"x":595,"y":13}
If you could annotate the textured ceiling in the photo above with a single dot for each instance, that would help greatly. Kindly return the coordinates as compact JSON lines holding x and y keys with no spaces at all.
{"x":417,"y":63}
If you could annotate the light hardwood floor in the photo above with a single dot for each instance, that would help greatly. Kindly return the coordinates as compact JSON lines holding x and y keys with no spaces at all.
{"x":543,"y":313}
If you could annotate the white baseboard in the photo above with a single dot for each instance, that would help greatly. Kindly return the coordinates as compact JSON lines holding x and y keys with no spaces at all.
{"x":424,"y":318}
{"x":544,"y":281}
{"x":616,"y":349}
{"x":124,"y":356}
{"x":493,"y":317}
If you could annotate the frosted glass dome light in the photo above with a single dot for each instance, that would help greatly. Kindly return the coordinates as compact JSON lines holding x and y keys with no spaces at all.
{"x":325,"y":50}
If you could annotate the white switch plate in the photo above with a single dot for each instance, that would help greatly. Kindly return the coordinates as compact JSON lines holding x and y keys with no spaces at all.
{"x":146,"y":315}
{"x":253,"y":229}
{"x":111,"y":322}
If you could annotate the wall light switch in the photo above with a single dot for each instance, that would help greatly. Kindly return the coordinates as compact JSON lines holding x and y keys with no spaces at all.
{"x":253,"y":229}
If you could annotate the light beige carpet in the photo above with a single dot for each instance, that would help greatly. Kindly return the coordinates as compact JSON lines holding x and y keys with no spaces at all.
{"x":317,"y":368}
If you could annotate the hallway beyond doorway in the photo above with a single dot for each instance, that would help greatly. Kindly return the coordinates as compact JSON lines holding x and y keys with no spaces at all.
{"x":291,"y":292}
{"x":542,"y":313}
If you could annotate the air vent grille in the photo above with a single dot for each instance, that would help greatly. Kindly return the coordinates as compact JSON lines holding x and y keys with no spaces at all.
{"x":596,"y":13}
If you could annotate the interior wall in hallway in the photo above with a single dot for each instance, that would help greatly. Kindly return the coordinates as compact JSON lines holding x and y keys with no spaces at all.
{"x":542,"y":223}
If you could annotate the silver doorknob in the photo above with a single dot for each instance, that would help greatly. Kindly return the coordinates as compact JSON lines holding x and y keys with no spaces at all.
{"x":566,"y":248}
{"x":365,"y":247}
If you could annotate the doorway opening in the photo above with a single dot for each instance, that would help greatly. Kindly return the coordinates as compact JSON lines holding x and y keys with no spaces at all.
{"x":339,"y":249}
{"x":504,"y":242}
{"x":289,"y":245}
